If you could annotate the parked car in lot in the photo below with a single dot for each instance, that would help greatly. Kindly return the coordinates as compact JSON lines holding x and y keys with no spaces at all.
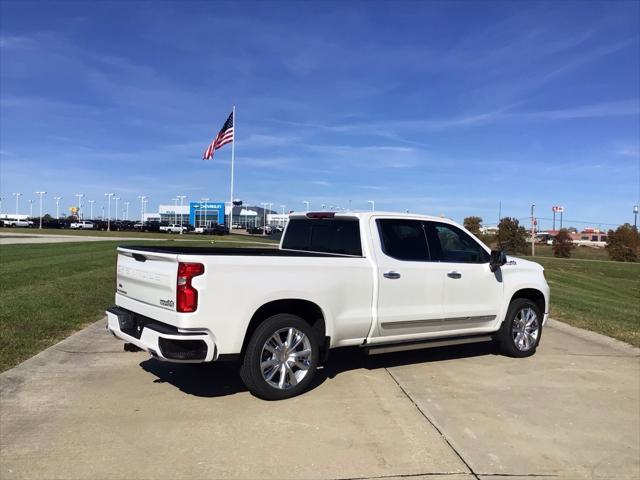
{"x":380,"y":281}
{"x":122,"y":225}
{"x":149,"y":226}
{"x":173,"y":228}
{"x":83,"y":225}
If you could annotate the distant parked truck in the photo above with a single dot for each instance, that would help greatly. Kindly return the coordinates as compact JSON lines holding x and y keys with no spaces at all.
{"x":16,"y":222}
{"x":173,"y":228}
{"x":82,"y":225}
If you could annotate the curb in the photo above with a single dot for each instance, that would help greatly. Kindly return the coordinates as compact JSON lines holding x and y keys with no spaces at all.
{"x":595,"y":337}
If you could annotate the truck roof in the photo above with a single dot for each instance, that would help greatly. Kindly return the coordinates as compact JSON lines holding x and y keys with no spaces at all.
{"x":368,"y":214}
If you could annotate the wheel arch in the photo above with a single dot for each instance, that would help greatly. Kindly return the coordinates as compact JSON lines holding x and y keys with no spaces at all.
{"x":306,"y":309}
{"x":533,"y":294}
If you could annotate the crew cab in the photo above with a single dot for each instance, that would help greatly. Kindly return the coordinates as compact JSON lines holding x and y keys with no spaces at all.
{"x":380,"y":281}
{"x":15,"y":222}
{"x":83,"y":225}
{"x":173,"y":228}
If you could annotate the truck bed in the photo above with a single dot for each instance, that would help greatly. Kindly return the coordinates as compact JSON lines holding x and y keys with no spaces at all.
{"x":249,"y":252}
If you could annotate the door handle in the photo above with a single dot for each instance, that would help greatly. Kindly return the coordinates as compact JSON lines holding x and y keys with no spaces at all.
{"x":391,"y":274}
{"x":454,"y":275}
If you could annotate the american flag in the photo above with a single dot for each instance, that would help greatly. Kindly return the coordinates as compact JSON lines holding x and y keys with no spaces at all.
{"x":225,"y":135}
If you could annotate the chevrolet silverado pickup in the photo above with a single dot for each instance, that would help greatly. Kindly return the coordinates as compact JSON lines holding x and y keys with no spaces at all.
{"x":380,"y":281}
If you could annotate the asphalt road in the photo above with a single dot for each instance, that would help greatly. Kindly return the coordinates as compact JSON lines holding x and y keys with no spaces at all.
{"x":86,"y":409}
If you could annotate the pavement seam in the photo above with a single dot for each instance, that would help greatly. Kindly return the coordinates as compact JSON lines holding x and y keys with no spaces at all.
{"x":466,"y":464}
{"x":407,"y":475}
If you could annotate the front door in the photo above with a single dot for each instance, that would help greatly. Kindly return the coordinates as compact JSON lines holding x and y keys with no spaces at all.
{"x":472,"y":293}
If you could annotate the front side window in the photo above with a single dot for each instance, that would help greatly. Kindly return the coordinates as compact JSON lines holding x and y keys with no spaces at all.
{"x":403,"y":239}
{"x":448,"y":243}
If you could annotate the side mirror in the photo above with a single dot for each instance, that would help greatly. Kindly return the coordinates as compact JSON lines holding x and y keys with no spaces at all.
{"x":498,"y":258}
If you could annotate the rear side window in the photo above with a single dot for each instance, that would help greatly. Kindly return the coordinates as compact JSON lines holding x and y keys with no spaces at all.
{"x":403,"y":239}
{"x":450,"y":244}
{"x":324,"y":235}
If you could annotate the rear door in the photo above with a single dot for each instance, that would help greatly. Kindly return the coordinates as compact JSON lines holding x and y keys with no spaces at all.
{"x":410,"y":286}
{"x":148,"y":277}
{"x":472,"y":293}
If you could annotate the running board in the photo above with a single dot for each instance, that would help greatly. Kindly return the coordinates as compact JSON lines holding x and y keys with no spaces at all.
{"x":375,"y":349}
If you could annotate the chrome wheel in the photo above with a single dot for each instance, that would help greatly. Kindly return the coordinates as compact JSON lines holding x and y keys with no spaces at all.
{"x":285,"y":358}
{"x":525,"y":329}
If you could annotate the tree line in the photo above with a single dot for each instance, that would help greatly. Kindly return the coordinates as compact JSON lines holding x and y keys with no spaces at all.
{"x":622,"y":245}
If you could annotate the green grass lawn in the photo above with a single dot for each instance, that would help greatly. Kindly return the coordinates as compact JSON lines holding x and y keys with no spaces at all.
{"x":601,"y":296}
{"x":48,"y":291}
{"x":14,"y":232}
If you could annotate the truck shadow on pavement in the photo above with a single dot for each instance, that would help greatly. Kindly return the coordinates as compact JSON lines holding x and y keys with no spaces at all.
{"x":219,"y":379}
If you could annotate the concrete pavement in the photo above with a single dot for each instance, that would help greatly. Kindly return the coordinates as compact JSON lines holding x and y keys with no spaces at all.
{"x":86,"y":409}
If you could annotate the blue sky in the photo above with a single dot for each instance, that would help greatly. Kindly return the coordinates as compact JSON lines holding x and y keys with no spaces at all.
{"x":440,"y":108}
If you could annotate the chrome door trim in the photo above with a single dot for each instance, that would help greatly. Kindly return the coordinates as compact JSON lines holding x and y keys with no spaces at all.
{"x":437,"y":321}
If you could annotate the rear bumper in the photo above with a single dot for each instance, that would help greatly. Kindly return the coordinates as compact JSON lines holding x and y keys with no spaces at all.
{"x":162,"y":341}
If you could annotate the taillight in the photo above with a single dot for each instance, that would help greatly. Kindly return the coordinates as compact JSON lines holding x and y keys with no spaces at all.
{"x":186,"y":294}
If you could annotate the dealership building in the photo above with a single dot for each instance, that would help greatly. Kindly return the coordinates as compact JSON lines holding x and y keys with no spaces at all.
{"x":210,"y":213}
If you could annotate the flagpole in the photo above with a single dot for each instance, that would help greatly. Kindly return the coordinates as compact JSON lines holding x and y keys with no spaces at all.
{"x":233,"y":158}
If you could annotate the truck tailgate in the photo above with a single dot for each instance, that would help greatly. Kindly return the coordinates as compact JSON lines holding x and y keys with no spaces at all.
{"x":148,"y":277}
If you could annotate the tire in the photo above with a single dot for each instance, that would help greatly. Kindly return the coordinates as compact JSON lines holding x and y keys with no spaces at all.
{"x":283,"y":376}
{"x":520,"y":333}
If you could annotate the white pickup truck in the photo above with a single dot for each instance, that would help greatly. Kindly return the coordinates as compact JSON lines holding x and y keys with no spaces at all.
{"x":82,"y":225}
{"x":380,"y":281}
{"x":173,"y":228}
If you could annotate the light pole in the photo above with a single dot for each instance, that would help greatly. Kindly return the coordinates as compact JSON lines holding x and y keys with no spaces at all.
{"x":126,"y":207}
{"x":307,"y":205}
{"x":205,"y":200}
{"x":264,"y":220}
{"x":373,"y":205}
{"x":80,"y":213}
{"x":116,"y":199}
{"x":283,"y":214}
{"x":57,"y":199}
{"x":175,"y":210}
{"x":17,"y":195}
{"x":635,"y":217}
{"x":181,"y":197}
{"x":91,"y":202}
{"x":349,"y":205}
{"x":142,"y":199}
{"x":30,"y":208}
{"x":41,"y":195}
{"x":533,"y":232}
{"x":109,"y":195}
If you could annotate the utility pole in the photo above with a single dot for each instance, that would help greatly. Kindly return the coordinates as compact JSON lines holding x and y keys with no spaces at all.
{"x":41,"y":195}
{"x":373,"y":205}
{"x":80,"y":213}
{"x":91,"y":202}
{"x":57,"y":199}
{"x":306,"y":204}
{"x":17,"y":195}
{"x":635,"y":217}
{"x":109,"y":195}
{"x":533,"y":232}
